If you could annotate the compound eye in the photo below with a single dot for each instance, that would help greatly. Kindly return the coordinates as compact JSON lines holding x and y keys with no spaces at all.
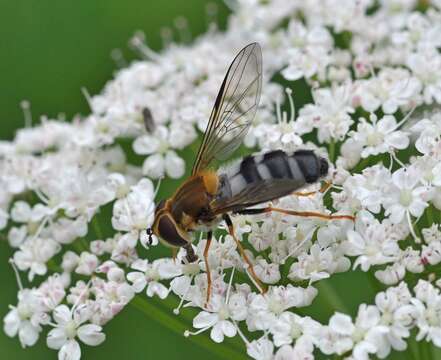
{"x":169,"y":232}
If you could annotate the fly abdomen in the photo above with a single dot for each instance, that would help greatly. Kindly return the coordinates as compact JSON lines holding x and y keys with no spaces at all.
{"x":293,"y":170}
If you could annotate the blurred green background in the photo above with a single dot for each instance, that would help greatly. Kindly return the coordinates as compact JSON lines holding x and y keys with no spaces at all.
{"x":49,"y":50}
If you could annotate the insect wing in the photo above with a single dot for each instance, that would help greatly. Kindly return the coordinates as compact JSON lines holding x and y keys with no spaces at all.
{"x":255,"y":194}
{"x":234,"y":109}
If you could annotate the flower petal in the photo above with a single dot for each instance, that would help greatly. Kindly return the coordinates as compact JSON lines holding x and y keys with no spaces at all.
{"x":154,"y":166}
{"x":228,"y":328}
{"x":28,"y":333}
{"x":91,"y":334}
{"x":62,"y":314}
{"x":204,"y":319}
{"x":56,"y":338}
{"x":11,"y":323}
{"x":70,"y":351}
{"x":341,"y":324}
{"x":174,"y":165}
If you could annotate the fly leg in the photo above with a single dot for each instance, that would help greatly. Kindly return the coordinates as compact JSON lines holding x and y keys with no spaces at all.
{"x":207,"y":267}
{"x":295,"y":213}
{"x":324,"y":187}
{"x":191,"y":256}
{"x":174,"y":253}
{"x":253,"y":275}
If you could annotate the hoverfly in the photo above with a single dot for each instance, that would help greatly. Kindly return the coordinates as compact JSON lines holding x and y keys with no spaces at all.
{"x":208,"y":196}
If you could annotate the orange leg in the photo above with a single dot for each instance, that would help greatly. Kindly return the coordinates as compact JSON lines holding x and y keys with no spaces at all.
{"x":207,"y":267}
{"x":174,"y":253}
{"x":325,"y":187}
{"x":262,"y":287}
{"x":295,"y":213}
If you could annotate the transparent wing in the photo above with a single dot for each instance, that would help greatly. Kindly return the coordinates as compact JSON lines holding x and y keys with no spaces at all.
{"x":255,"y":194}
{"x":234,"y":109}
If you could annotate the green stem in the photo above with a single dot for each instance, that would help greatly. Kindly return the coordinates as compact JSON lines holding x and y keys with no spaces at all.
{"x":429,"y":216}
{"x":172,"y":323}
{"x":187,"y":315}
{"x":331,"y":151}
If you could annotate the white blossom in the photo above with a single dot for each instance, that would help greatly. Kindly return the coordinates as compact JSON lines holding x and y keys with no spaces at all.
{"x":356,"y":82}
{"x":69,"y":325}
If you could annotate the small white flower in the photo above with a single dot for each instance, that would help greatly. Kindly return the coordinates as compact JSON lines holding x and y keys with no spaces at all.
{"x":291,"y":328}
{"x":427,"y":307}
{"x":390,"y":89}
{"x":70,"y":261}
{"x":405,"y":195}
{"x":25,"y":319}
{"x":150,"y":274}
{"x":159,"y":146}
{"x":396,"y":315}
{"x":287,"y":352}
{"x":69,"y":326}
{"x":134,"y":213}
{"x":265,"y":310}
{"x":267,"y":272}
{"x":87,"y":263}
{"x":379,"y":136}
{"x":261,"y":349}
{"x":371,"y":246}
{"x":318,"y":264}
{"x":218,"y":322}
{"x":424,"y":65}
{"x":330,"y":114}
{"x":34,"y":254}
{"x":110,"y":298}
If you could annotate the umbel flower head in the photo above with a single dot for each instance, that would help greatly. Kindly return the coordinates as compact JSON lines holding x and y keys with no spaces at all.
{"x":361,"y":81}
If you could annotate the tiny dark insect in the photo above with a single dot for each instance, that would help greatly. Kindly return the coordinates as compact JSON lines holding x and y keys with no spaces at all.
{"x":147,"y":116}
{"x":208,"y":196}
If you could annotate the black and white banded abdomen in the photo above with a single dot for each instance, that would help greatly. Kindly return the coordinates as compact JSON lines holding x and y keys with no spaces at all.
{"x":277,"y":173}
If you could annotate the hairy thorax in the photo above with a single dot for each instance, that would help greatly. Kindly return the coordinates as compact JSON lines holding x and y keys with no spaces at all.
{"x":190,"y":205}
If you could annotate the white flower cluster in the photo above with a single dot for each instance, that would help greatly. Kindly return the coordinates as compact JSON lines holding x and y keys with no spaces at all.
{"x":373,"y":70}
